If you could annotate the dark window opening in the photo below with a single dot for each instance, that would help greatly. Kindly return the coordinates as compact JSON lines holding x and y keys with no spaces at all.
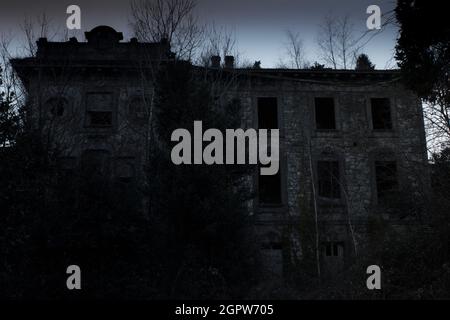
{"x":99,"y":118}
{"x":333,"y":249}
{"x":386,"y":178}
{"x":267,"y":113}
{"x":99,"y":110}
{"x":328,"y":179}
{"x":328,"y":251}
{"x":269,"y":188}
{"x":325,"y":114}
{"x":381,"y":113}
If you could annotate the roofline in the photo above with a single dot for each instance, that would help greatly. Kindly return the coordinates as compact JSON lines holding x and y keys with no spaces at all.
{"x":320,"y":71}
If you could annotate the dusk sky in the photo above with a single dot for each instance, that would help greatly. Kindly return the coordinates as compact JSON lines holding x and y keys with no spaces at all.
{"x":259,"y":25}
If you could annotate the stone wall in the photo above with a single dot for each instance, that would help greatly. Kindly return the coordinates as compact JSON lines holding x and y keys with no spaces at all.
{"x":72,"y":70}
{"x":355,"y":145}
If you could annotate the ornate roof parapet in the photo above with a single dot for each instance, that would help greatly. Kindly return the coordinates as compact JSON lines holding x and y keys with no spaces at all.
{"x":103,"y":43}
{"x":103,"y":37}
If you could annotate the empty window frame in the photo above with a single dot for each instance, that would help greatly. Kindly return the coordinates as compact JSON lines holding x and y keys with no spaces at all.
{"x":381,"y":113}
{"x":333,"y":249}
{"x":325,"y":113}
{"x":386,"y":178}
{"x":267,"y":113}
{"x":269,"y":187}
{"x":328,"y":179}
{"x":99,"y":109}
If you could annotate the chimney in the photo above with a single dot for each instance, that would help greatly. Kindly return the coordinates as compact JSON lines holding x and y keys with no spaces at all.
{"x":215,"y":62}
{"x":229,"y":62}
{"x":41,"y":47}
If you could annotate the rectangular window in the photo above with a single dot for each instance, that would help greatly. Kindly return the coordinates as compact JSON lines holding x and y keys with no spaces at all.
{"x":99,"y":108}
{"x":325,"y":114}
{"x":386,"y":178}
{"x":269,"y":187}
{"x":328,"y":179}
{"x":381,"y":113}
{"x":333,"y":249}
{"x":267,"y":113}
{"x":99,"y":119}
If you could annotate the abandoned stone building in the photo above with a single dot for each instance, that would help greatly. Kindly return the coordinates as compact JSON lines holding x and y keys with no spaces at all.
{"x":349,"y":139}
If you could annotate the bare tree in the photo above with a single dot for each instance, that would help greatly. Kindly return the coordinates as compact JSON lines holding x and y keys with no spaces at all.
{"x":34,"y":28}
{"x":294,"y":50}
{"x":11,"y":83}
{"x":437,"y":125}
{"x":337,"y":42}
{"x":153,"y":20}
{"x":51,"y":115}
{"x":219,"y":41}
{"x":327,"y":41}
{"x":388,"y":19}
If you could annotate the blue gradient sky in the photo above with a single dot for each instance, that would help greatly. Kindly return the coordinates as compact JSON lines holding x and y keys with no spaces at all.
{"x":259,"y":25}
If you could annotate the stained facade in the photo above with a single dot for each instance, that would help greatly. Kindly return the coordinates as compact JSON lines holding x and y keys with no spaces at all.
{"x":350,"y":141}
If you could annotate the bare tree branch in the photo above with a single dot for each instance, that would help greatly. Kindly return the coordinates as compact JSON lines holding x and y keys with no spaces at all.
{"x":336,"y":42}
{"x":218,"y":42}
{"x":294,"y":50}
{"x":153,"y":20}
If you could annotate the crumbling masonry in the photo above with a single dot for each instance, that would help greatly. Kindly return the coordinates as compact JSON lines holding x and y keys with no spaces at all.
{"x":350,"y":141}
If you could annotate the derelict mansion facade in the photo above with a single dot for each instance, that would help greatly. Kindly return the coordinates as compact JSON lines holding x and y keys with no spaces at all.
{"x":348,"y":139}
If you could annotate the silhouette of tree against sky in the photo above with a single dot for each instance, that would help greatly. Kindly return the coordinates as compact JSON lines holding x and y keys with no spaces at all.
{"x":423,"y":53}
{"x":337,"y":42}
{"x":363,"y":63}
